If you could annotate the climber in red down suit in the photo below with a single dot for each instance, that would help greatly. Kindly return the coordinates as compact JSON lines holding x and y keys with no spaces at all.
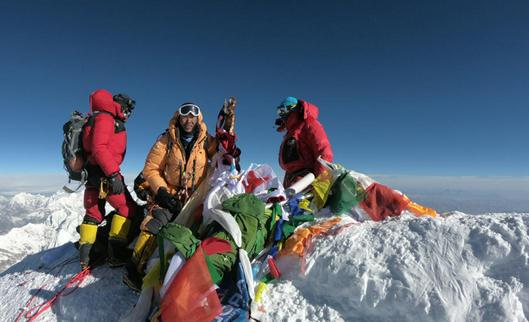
{"x":105,"y":141}
{"x":304,"y":141}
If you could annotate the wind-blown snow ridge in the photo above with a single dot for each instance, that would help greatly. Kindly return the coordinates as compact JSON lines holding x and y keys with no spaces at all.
{"x":456,"y":268}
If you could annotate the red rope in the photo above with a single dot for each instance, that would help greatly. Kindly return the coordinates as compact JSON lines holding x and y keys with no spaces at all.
{"x":32,"y":313}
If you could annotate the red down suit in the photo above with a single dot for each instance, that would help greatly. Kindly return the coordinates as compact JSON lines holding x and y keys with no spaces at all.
{"x":304,"y":141}
{"x":105,"y":142}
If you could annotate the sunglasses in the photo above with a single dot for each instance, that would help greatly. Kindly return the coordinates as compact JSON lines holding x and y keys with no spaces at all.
{"x":187,"y":109}
{"x":283,"y":110}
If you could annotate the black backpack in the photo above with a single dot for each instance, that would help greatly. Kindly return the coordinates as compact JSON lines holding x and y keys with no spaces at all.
{"x":73,"y":154}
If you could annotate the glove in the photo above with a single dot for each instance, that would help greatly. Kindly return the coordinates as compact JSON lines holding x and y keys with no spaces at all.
{"x":164,"y":216}
{"x":139,"y":187}
{"x":229,"y":106}
{"x":153,"y":226}
{"x":116,"y":185}
{"x":165,"y":200}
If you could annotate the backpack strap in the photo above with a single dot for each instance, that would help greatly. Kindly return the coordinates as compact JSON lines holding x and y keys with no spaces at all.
{"x":92,"y":116}
{"x":119,"y":125}
{"x":169,"y":144}
{"x":206,"y":144}
{"x":161,"y":253}
{"x":169,"y":141}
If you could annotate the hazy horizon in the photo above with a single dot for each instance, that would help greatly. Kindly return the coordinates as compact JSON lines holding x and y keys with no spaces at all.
{"x":471,"y":194}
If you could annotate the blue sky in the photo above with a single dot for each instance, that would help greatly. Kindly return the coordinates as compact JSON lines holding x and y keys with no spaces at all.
{"x":404,"y":87}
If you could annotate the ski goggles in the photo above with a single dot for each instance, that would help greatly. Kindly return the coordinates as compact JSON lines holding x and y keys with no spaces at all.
{"x":189,"y":108}
{"x":127,"y":103}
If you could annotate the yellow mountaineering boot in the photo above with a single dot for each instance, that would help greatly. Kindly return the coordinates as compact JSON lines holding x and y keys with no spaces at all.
{"x":88,"y":234}
{"x":143,"y":249}
{"x":118,"y":253}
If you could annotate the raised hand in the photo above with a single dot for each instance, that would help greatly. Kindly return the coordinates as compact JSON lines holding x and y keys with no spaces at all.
{"x":229,"y":112}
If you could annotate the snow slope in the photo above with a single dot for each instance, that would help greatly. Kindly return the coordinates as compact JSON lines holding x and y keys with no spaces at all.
{"x":32,"y":223}
{"x":456,"y":268}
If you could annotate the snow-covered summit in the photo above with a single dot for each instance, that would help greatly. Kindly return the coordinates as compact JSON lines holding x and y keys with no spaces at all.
{"x":455,"y":268}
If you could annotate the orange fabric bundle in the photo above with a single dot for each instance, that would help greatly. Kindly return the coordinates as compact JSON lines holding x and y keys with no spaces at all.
{"x":297,"y":243}
{"x":420,"y":210}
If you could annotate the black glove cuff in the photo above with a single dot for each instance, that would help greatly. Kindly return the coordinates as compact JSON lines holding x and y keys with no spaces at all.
{"x":154,"y":226}
{"x":164,"y":216}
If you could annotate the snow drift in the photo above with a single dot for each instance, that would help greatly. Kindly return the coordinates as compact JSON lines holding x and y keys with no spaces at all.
{"x":458,"y":268}
{"x":455,"y":268}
